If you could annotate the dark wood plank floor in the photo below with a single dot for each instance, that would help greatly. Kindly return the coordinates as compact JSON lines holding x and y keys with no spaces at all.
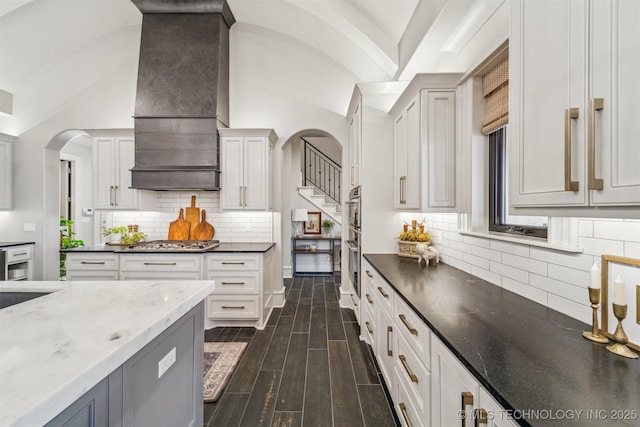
{"x":307,"y":367}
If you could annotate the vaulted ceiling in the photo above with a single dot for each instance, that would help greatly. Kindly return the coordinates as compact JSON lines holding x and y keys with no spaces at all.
{"x":375,"y":40}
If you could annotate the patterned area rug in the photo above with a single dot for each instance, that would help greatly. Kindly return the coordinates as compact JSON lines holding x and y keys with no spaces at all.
{"x":220,"y":359}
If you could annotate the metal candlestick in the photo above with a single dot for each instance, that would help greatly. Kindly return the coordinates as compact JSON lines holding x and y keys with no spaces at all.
{"x":594,"y":335}
{"x":620,"y":348}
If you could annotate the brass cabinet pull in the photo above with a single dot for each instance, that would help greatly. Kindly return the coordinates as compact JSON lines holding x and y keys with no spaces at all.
{"x":382,"y":292}
{"x":369,"y":298}
{"x":389,"y":351}
{"x":232,"y":283}
{"x":369,"y":274}
{"x":245,"y":197}
{"x":115,"y":195}
{"x":595,"y":104}
{"x":413,"y":331}
{"x":232,"y":263}
{"x":92,"y":262}
{"x":111,"y":195}
{"x":467,"y":400}
{"x":569,"y":114}
{"x":233,"y":307}
{"x":19,"y":253}
{"x":369,"y":328}
{"x":403,"y":409}
{"x":160,"y":263}
{"x":403,"y":190}
{"x":480,"y":416}
{"x":241,"y":195}
{"x":411,"y":375}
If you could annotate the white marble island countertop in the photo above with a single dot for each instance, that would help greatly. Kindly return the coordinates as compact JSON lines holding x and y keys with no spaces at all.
{"x":56,"y":347}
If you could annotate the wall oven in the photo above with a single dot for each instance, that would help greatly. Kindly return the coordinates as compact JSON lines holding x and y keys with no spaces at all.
{"x":354,"y":238}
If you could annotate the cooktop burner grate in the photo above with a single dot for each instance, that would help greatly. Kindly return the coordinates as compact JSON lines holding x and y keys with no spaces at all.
{"x":177,"y":245}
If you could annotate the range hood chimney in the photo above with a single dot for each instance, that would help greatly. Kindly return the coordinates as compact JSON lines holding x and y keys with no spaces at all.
{"x":183,"y":94}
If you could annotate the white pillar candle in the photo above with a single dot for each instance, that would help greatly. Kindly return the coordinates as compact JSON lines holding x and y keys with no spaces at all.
{"x":618,"y":292}
{"x":595,"y":276}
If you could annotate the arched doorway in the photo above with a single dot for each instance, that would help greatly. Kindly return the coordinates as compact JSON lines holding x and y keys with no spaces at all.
{"x":292,"y":173}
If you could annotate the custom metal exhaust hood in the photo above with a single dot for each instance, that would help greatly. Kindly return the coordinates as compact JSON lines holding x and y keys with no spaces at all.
{"x":183,"y":94}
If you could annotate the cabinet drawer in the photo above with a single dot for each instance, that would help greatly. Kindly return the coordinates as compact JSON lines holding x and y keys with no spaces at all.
{"x":416,"y":378}
{"x":160,"y":275}
{"x":233,"y":262}
{"x":92,"y":275}
{"x":158,"y":263}
{"x":233,"y":307}
{"x":92,"y":262}
{"x":235,"y":282}
{"x":404,"y":407}
{"x":383,"y":292}
{"x":19,"y":253}
{"x":414,"y":330}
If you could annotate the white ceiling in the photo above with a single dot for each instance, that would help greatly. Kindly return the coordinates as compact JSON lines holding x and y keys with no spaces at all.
{"x":375,"y":40}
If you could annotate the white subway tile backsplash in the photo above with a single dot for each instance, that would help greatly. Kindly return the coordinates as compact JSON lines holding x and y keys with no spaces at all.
{"x":524,"y":263}
{"x":617,"y":230}
{"x":570,"y":308}
{"x":487,"y":275}
{"x":525,"y":290}
{"x":511,"y":272}
{"x":476,"y":261}
{"x":585,"y":228}
{"x":556,"y":287}
{"x":486,"y":253}
{"x":601,"y":246}
{"x":511,"y":248}
{"x":569,"y":275}
{"x":632,"y":250}
{"x":573,"y":260}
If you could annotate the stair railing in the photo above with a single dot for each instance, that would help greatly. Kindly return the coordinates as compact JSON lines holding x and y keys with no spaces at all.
{"x":321,"y":172}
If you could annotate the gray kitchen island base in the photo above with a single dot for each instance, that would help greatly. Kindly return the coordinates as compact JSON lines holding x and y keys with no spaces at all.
{"x":160,"y":385}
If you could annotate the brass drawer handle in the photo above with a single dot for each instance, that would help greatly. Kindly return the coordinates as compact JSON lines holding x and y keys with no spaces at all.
{"x":369,"y":274}
{"x":595,"y":104}
{"x":413,"y":331}
{"x":232,"y":283}
{"x":569,"y":114}
{"x":411,"y":375}
{"x":403,"y":409}
{"x":92,"y":262}
{"x":389,"y":351}
{"x":369,"y":298}
{"x":382,"y":292}
{"x":481,"y":416}
{"x":160,"y":263}
{"x":369,"y":328}
{"x":19,"y":253}
{"x":232,"y":263}
{"x":233,"y":307}
{"x":467,"y":400}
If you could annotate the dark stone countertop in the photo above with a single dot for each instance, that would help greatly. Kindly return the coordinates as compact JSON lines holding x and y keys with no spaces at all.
{"x":9,"y":244}
{"x":529,"y":357}
{"x":259,"y":247}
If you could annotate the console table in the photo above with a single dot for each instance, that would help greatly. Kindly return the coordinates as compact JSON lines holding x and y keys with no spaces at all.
{"x":304,"y":245}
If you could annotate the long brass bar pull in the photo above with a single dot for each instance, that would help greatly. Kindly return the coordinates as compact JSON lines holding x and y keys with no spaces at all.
{"x":384,"y":294}
{"x":403,"y":409}
{"x":413,"y":331}
{"x":159,"y":263}
{"x":481,"y":416}
{"x":467,"y":400}
{"x":233,"y":307}
{"x":569,"y":114}
{"x":92,"y":262}
{"x":232,"y":283}
{"x":241,"y":199}
{"x":369,"y":298}
{"x":232,"y":263}
{"x":595,"y":104}
{"x":411,"y":375}
{"x":389,"y":330}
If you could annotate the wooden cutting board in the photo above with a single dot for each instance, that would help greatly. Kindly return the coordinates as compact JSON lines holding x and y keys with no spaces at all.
{"x":193,"y":217}
{"x":179,"y":229}
{"x":204,"y":230}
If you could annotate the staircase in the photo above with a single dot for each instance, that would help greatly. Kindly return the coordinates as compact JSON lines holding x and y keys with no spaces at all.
{"x":328,"y":207}
{"x":321,"y":181}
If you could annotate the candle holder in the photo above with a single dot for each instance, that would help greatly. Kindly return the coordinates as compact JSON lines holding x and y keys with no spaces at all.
{"x":619,"y":336}
{"x":594,"y":335}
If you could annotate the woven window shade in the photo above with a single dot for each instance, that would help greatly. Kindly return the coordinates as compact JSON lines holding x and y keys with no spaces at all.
{"x":495,"y":87}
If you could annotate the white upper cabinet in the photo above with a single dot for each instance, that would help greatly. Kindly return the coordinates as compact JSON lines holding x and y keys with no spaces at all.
{"x":6,"y":172}
{"x":245,"y":158}
{"x":425,"y":144}
{"x":573,"y":133}
{"x":355,"y":144}
{"x":113,"y":159}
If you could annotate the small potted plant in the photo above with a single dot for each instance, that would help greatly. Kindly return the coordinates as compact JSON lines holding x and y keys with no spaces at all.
{"x":327,"y":227}
{"x":115,"y":234}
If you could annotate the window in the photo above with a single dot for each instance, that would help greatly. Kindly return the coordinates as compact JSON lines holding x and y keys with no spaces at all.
{"x":499,"y":218}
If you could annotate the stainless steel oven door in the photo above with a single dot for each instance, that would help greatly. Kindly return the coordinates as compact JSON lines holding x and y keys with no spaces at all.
{"x":354,"y":266}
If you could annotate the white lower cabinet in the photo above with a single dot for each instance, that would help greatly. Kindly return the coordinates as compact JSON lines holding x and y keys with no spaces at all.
{"x":241,"y":296}
{"x":92,"y":266}
{"x":160,"y":266}
{"x":429,"y":386}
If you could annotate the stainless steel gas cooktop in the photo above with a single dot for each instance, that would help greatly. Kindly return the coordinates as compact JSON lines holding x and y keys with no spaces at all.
{"x":177,"y":245}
